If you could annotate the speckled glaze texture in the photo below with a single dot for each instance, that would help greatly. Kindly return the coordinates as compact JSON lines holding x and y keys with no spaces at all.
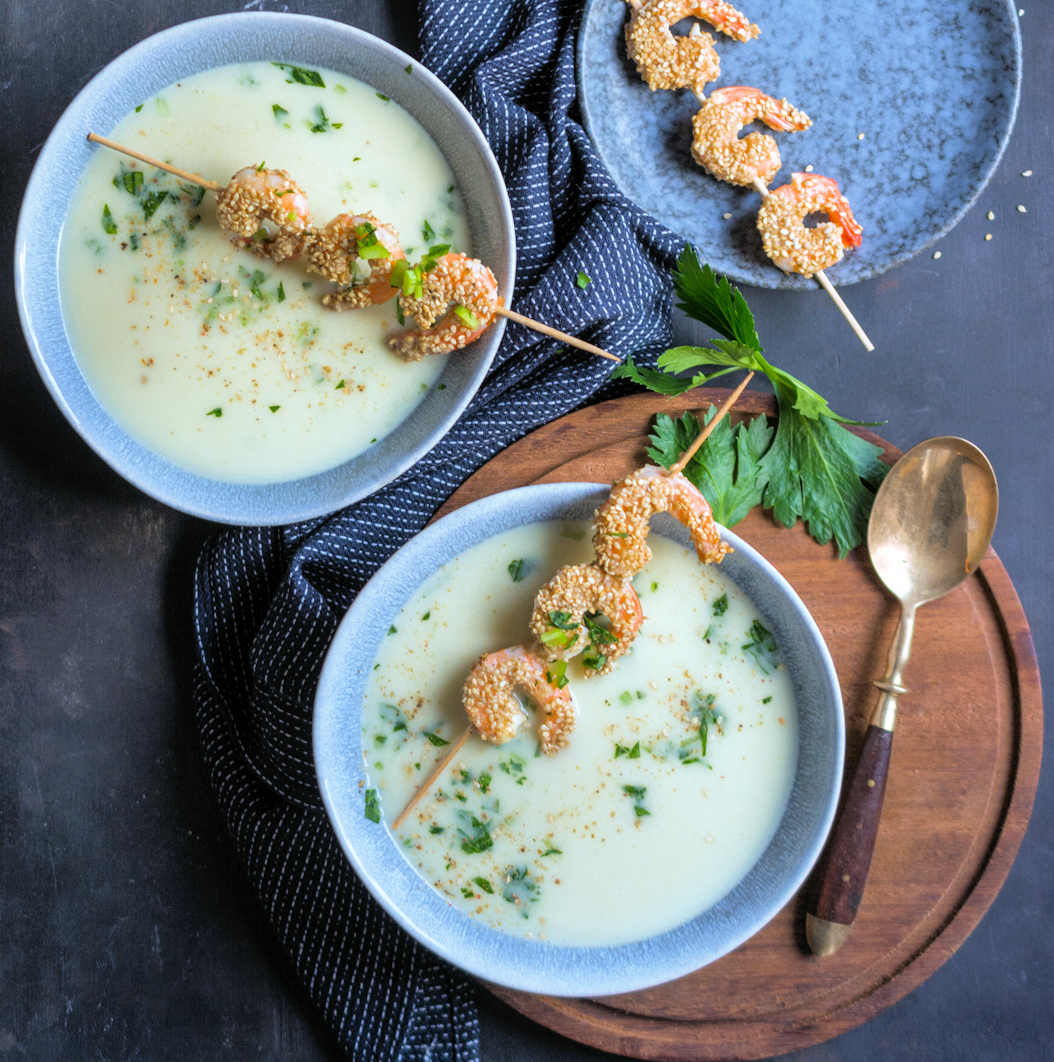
{"x":149,"y":67}
{"x":932,"y":86}
{"x":532,"y":965}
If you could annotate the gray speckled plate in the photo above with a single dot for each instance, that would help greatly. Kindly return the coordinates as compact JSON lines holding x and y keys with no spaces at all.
{"x":150,"y":66}
{"x":532,"y":965}
{"x":932,"y":86}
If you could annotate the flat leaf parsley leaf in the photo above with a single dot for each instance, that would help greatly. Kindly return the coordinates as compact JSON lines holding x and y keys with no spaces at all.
{"x":812,"y":468}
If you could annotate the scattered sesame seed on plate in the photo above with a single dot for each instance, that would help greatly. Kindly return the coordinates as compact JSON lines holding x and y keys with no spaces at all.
{"x":1020,"y":12}
{"x":936,"y":254}
{"x":991,"y":215}
{"x":809,"y":168}
{"x":987,"y":235}
{"x":1021,"y":209}
{"x":859,"y":136}
{"x":1026,"y":173}
{"x":727,"y":216}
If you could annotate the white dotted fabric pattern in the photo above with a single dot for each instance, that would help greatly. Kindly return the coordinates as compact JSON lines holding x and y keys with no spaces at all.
{"x":268,"y":600}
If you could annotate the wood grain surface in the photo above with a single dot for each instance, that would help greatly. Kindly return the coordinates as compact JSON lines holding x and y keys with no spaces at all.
{"x":964,"y":771}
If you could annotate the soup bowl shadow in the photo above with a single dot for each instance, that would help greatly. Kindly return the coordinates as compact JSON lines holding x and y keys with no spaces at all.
{"x":114,"y":93}
{"x":534,"y":965}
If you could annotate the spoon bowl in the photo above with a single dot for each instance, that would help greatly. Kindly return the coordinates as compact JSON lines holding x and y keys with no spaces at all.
{"x":932,"y":519}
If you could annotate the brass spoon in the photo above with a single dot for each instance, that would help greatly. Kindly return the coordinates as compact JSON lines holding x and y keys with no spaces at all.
{"x":931,"y":523}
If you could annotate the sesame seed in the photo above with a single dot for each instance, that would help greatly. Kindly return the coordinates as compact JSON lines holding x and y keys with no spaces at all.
{"x":1020,"y":12}
{"x":991,"y":215}
{"x":859,"y":136}
{"x":1021,"y":209}
{"x":809,"y":168}
{"x":936,"y":254}
{"x":1026,"y":173}
{"x":726,"y":216}
{"x":987,"y":235}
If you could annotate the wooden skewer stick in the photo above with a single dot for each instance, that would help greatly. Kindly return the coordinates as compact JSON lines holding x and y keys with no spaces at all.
{"x":827,"y":286}
{"x":431,"y":780}
{"x":212,"y":186}
{"x":555,"y":333}
{"x":454,"y":749}
{"x":725,"y":406}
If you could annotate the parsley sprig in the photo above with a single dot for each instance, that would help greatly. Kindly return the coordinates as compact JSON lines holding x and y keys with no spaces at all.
{"x":813,"y":468}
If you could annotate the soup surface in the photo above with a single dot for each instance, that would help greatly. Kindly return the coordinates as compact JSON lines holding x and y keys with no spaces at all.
{"x":218,"y":360}
{"x":673,"y":783}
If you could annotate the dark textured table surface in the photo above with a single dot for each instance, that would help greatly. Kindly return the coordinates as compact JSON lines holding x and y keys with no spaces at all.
{"x":127,"y":929}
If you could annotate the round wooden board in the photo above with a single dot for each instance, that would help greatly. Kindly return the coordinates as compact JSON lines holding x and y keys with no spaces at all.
{"x":964,"y":774}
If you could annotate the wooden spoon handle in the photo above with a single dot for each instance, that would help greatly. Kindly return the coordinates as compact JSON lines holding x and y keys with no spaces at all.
{"x":839,"y":884}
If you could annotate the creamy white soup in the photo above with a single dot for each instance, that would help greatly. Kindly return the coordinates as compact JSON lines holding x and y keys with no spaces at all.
{"x":220,"y":361}
{"x":674,"y":780}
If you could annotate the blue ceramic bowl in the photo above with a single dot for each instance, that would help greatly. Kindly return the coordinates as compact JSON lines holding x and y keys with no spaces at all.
{"x":114,"y":93}
{"x":532,"y":965}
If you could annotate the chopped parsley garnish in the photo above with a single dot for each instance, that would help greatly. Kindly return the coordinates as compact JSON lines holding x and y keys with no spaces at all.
{"x":583,"y":280}
{"x":551,"y":851}
{"x":563,"y":620}
{"x":393,"y":629}
{"x":133,"y":240}
{"x":721,"y":605}
{"x":274,"y":409}
{"x":478,"y":841}
{"x":468,"y":892}
{"x":195,"y":193}
{"x":466,"y":316}
{"x":379,"y":739}
{"x":436,"y":739}
{"x":762,"y":647}
{"x":427,"y":232}
{"x":436,"y":829}
{"x":654,"y":587}
{"x":409,"y":68}
{"x":484,"y":783}
{"x":280,"y":112}
{"x":637,"y":793}
{"x":340,"y":386}
{"x":381,"y":96}
{"x":519,"y":888}
{"x":517,"y":569}
{"x":556,"y":674}
{"x":153,"y":201}
{"x":427,"y":615}
{"x":139,"y":108}
{"x":598,"y":635}
{"x":765,"y":700}
{"x":704,"y":711}
{"x":217,"y":412}
{"x":255,"y":280}
{"x":108,"y":224}
{"x":301,"y":75}
{"x":629,"y":753}
{"x":513,"y":767}
{"x":131,"y":181}
{"x":626,"y":697}
{"x":321,"y":122}
{"x":373,"y":806}
{"x":484,"y":885}
{"x":593,"y":660}
{"x":281,"y":292}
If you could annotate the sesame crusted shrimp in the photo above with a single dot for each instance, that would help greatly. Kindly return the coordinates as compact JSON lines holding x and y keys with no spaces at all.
{"x":793,"y":247}
{"x":458,"y":292}
{"x":716,"y":145}
{"x":490,"y":700}
{"x":621,"y":523}
{"x":565,"y":610}
{"x":266,"y":211}
{"x":356,"y":251}
{"x":669,"y":62}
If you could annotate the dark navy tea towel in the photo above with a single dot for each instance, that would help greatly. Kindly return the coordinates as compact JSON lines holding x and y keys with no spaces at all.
{"x":267,"y":601}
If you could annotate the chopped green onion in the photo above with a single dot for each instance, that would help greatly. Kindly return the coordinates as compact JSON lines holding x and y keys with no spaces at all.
{"x":583,"y":280}
{"x":108,"y":224}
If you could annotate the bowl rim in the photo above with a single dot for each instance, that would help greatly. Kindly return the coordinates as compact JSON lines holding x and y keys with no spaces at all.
{"x":48,"y":342}
{"x":497,"y":957}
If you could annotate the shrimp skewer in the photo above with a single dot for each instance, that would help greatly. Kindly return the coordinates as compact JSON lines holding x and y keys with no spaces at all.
{"x":716,"y":145}
{"x":454,"y":300}
{"x":255,"y":196}
{"x":214,"y":186}
{"x":564,"y":616}
{"x":669,"y":62}
{"x":840,"y":210}
{"x":357,"y":251}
